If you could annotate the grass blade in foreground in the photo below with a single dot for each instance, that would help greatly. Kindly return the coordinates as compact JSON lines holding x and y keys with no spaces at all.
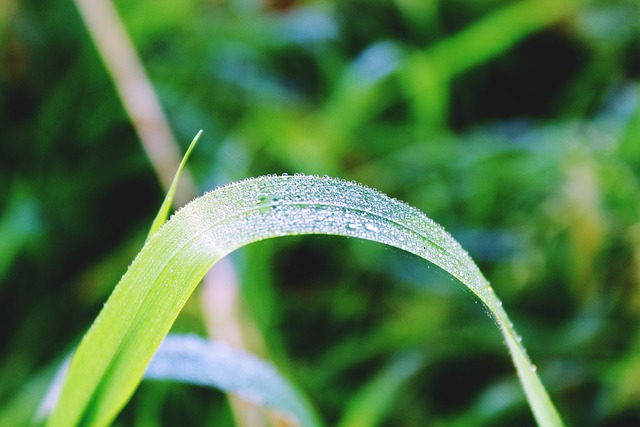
{"x":112,"y":357}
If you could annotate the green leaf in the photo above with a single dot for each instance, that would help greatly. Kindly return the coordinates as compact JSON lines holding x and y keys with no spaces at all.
{"x":194,"y":360}
{"x":112,"y":357}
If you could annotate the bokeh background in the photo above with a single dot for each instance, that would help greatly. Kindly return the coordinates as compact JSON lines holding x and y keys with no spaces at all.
{"x":514,"y":124}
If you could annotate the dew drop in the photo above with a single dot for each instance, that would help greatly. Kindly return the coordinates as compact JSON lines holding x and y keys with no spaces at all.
{"x":371,"y":227}
{"x":352,"y":225}
{"x":534,"y":368}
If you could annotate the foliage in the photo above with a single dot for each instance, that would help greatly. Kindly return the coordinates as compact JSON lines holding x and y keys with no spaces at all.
{"x":524,"y":148}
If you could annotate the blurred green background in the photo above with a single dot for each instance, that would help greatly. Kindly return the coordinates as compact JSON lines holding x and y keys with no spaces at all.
{"x":514,"y":124}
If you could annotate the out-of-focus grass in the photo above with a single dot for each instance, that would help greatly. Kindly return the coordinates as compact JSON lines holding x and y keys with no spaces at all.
{"x":533,"y":148}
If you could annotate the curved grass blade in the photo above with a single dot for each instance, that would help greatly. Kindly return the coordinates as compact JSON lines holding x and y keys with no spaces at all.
{"x":112,"y":357}
{"x":194,"y":360}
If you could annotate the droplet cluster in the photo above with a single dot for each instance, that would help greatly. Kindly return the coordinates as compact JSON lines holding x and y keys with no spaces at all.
{"x":270,"y":206}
